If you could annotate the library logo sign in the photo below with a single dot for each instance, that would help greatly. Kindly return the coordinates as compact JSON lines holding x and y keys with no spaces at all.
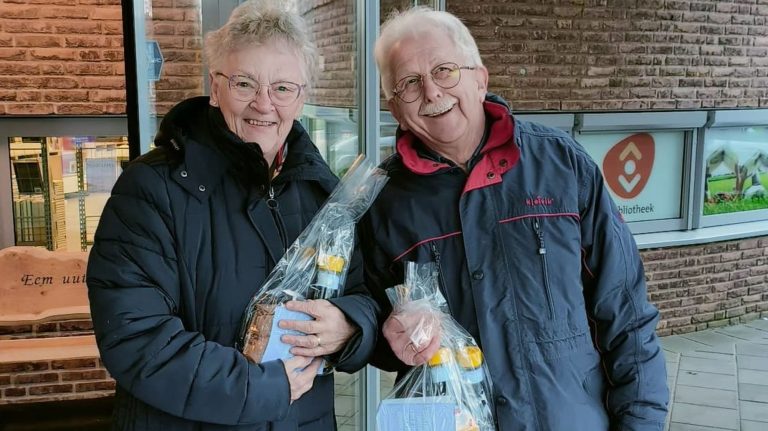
{"x":628,"y":165}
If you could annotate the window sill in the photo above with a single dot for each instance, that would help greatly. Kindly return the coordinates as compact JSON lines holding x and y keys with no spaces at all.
{"x":702,"y":235}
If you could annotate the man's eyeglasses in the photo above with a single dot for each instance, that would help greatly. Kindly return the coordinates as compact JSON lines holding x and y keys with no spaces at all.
{"x":245,"y":89}
{"x":445,"y":75}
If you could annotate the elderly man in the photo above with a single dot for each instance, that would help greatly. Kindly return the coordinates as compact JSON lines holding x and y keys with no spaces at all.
{"x":534,"y":259}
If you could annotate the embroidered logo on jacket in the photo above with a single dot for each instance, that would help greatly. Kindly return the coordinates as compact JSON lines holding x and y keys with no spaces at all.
{"x":538,"y":200}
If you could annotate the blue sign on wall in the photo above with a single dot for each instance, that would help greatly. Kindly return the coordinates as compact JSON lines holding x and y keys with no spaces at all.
{"x":154,"y":60}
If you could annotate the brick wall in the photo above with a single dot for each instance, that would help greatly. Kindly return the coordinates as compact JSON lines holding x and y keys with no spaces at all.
{"x":55,"y":379}
{"x":332,"y":24}
{"x":708,"y":285}
{"x":63,"y":328}
{"x":40,"y":381}
{"x":65,"y":57}
{"x":178,"y":31}
{"x":623,"y":54}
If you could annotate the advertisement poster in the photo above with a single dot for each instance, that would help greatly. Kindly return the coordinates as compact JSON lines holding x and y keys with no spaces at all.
{"x":643,"y":171}
{"x":736,"y":170}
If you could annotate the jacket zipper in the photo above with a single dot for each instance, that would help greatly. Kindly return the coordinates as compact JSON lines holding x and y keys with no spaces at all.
{"x":274,"y":208}
{"x":440,"y":279}
{"x":542,"y":251}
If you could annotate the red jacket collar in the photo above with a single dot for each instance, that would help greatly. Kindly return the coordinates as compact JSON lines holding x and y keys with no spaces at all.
{"x":498,"y":155}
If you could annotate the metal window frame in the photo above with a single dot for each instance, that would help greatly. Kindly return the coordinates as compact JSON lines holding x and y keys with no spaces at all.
{"x":562,"y":121}
{"x":58,"y":126}
{"x":367,"y":13}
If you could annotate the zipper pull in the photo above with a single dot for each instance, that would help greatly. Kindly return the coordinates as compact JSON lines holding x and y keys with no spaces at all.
{"x":272,"y":202}
{"x":542,"y":250}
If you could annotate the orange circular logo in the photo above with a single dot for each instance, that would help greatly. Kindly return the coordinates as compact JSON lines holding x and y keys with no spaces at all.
{"x":628,"y":165}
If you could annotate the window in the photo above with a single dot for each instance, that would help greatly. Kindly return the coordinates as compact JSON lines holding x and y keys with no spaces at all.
{"x":646,"y":160}
{"x":734,"y":167}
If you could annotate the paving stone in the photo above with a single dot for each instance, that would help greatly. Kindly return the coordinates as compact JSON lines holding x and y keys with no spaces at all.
{"x":752,"y":349}
{"x":759,"y":324}
{"x":716,"y":417}
{"x":743,"y":332}
{"x":717,"y":356}
{"x":752,"y":363}
{"x":676,"y":343}
{"x":671,"y":371}
{"x":753,"y":426}
{"x":675,"y":426}
{"x":754,"y":377}
{"x":750,"y":392}
{"x":712,"y":338}
{"x":752,"y":411}
{"x":706,"y":397}
{"x":706,"y":380}
{"x":708,"y":365}
{"x":670,"y":356}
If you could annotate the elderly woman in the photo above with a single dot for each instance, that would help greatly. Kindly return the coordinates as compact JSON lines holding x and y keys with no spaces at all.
{"x":193,"y":228}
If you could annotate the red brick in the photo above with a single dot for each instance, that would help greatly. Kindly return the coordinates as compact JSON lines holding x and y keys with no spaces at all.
{"x":20,"y":367}
{"x":14,"y":392}
{"x":15,"y":329}
{"x":26,"y":379}
{"x":95,"y":386}
{"x":77,"y":325}
{"x":70,"y":364}
{"x":50,"y":389}
{"x":83,"y":375}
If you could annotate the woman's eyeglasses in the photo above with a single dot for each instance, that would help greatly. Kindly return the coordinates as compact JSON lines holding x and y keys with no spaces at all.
{"x":245,"y":89}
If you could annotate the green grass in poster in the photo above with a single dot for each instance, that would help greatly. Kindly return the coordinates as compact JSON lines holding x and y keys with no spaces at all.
{"x":725,"y":184}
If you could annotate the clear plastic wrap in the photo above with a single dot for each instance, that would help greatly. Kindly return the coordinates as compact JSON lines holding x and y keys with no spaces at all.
{"x":314,"y":266}
{"x":451,"y":391}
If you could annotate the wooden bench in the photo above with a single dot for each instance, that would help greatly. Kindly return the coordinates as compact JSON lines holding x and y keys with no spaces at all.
{"x":47,"y":348}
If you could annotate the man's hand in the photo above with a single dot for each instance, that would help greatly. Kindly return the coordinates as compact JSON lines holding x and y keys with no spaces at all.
{"x":327,"y":334}
{"x":413,"y":336}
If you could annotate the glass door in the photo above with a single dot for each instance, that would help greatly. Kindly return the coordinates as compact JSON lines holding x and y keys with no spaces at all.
{"x":167,"y":65}
{"x":340,"y":114}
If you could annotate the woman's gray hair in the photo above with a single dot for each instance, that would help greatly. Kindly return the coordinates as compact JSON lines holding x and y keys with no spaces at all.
{"x":257,"y":22}
{"x":414,"y":22}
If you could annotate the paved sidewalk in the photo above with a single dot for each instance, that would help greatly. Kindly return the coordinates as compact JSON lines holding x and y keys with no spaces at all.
{"x":719,"y":378}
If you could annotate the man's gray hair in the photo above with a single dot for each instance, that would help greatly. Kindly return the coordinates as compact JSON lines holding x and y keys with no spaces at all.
{"x":257,"y":22}
{"x":414,"y":22}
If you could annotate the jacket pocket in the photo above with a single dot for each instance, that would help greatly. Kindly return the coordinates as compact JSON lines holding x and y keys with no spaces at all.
{"x":542,"y":252}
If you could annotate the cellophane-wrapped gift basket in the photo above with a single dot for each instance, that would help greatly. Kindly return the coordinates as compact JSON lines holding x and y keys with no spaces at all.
{"x":314,"y":266}
{"x":452,"y":390}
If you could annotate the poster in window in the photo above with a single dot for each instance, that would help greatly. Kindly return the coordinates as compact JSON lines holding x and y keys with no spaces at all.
{"x":643,"y":171}
{"x":736,"y":170}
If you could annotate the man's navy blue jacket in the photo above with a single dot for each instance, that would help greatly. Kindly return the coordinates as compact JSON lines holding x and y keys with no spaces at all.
{"x":180,"y":249}
{"x":538,"y":265}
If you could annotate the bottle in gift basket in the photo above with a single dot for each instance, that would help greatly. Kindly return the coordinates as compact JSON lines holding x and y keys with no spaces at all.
{"x":329,"y":272}
{"x":470,"y":359}
{"x":439,"y":372}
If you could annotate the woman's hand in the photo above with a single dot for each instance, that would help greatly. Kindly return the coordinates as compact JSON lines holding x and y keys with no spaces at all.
{"x":327,"y":334}
{"x":413,"y":336}
{"x":301,"y":372}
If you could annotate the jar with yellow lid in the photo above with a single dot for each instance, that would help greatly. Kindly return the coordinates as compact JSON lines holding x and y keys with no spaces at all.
{"x":329,"y":271}
{"x":470,"y":360}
